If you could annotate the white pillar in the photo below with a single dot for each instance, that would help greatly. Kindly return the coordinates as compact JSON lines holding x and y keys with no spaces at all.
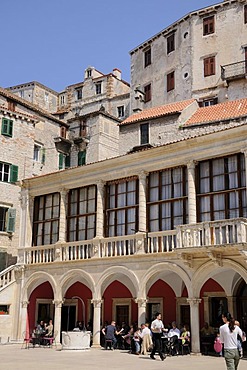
{"x":142,"y":304}
{"x":57,"y":318}
{"x":142,"y":201}
{"x":62,"y":219}
{"x":100,"y":209}
{"x":195,"y":326}
{"x":26,"y":218}
{"x":97,"y":303}
{"x":191,"y":192}
{"x":19,"y":310}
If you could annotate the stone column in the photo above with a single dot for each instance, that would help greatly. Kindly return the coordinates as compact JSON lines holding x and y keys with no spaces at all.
{"x":62,"y":219}
{"x":100,"y":209}
{"x":20,"y":310}
{"x":195,"y":326}
{"x":244,"y":151}
{"x":142,"y":201}
{"x":142,"y":304}
{"x":97,"y":303}
{"x":24,"y":320}
{"x":191,"y":192}
{"x":231,"y":303}
{"x":57,"y":318}
{"x":26,"y":218}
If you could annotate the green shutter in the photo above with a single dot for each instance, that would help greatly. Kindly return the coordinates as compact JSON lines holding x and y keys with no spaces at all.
{"x":81,"y":158}
{"x":67,"y":161}
{"x":13,"y":173}
{"x":7,"y":127}
{"x":11,"y":220}
{"x":42,"y":155}
{"x":60,"y":165}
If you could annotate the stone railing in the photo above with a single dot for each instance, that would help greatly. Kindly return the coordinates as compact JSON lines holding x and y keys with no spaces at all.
{"x":234,"y":70}
{"x":232,"y":231}
{"x":7,"y":276}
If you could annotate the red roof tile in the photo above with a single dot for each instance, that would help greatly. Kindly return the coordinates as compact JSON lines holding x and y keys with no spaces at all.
{"x":219,"y":112}
{"x":155,"y":112}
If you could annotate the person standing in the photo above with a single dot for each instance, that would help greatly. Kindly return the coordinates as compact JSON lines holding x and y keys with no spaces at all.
{"x":229,"y":336}
{"x":157,"y":328}
{"x":110,"y":331}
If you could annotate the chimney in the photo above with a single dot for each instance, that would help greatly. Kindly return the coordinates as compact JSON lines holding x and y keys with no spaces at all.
{"x":117,"y":73}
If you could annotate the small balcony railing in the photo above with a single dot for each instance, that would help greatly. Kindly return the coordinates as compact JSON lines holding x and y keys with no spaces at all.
{"x":234,"y":70}
{"x":204,"y":234}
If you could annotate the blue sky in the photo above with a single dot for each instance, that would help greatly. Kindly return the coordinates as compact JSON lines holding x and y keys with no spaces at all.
{"x":54,"y":41}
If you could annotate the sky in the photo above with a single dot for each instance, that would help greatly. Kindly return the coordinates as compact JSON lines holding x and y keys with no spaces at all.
{"x":54,"y":41}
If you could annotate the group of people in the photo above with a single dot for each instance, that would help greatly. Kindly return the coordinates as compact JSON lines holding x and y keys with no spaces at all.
{"x":139,"y":340}
{"x":41,"y":332}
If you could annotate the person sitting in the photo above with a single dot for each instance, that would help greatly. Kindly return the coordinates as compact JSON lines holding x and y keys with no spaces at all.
{"x":110,"y":332}
{"x":174,"y":334}
{"x":206,"y":330}
{"x":128,"y":337}
{"x":136,"y":340}
{"x":146,"y":338}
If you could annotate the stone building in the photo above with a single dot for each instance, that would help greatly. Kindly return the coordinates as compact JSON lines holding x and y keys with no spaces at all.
{"x":162,"y":228}
{"x":201,"y":56}
{"x":27,"y":149}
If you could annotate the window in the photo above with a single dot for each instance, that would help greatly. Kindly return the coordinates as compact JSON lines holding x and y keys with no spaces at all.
{"x":7,"y":219}
{"x":120,"y":111}
{"x":11,"y":105}
{"x":170,"y":81}
{"x":7,"y":127}
{"x":208,"y":25}
{"x":79,"y":94}
{"x":46,"y":97}
{"x":8,"y":172}
{"x":245,"y":14}
{"x":208,"y":102}
{"x":4,"y":309}
{"x":122,"y":207}
{"x":144,"y":130}
{"x":170,"y":43}
{"x":63,"y":132}
{"x":167,"y":199}
{"x":98,"y":86}
{"x":89,"y":73}
{"x":221,"y":192}
{"x":62,"y":100}
{"x":82,"y":158}
{"x":82,"y":213}
{"x":147,"y":92}
{"x":64,"y":161}
{"x":209,"y":66}
{"x":83,"y":129}
{"x":147,"y":57}
{"x":46,"y":219}
{"x":39,"y":153}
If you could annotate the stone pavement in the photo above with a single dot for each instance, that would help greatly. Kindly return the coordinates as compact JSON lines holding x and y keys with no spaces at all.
{"x":12,"y":357}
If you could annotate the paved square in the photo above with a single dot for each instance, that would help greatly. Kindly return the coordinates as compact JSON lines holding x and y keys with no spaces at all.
{"x":12,"y":357}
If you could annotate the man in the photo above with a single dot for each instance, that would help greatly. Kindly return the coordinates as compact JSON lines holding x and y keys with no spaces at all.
{"x":157,"y":328}
{"x":110,"y":332}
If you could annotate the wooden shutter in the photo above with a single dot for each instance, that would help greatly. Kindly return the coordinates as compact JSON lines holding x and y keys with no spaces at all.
{"x":13,"y":173}
{"x":11,"y":215}
{"x":67,"y":161}
{"x":42,"y":155}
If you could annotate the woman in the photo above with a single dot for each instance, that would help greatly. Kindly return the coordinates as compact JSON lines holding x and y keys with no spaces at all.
{"x":229,"y":336}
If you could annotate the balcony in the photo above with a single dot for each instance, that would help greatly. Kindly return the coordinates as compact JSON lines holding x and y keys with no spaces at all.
{"x":234,"y":71}
{"x":232,"y":232}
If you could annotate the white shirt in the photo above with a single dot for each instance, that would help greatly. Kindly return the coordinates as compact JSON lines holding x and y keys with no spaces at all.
{"x":229,"y":338}
{"x":145,"y":331}
{"x":157,"y":326}
{"x":175,"y":331}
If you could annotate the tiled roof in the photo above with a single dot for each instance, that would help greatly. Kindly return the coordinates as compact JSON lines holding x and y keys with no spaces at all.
{"x":155,"y":112}
{"x":219,"y":112}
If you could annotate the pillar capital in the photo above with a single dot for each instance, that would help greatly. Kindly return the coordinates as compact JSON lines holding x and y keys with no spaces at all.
{"x":100,"y":184}
{"x":97,"y":303}
{"x":142,"y":175}
{"x":24,"y":304}
{"x":194,"y":301}
{"x":18,"y":271}
{"x":191,"y":165}
{"x":58,"y":303}
{"x":142,"y":302}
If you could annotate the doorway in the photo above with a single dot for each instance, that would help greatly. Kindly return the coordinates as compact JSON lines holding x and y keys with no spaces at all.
{"x":122,"y":314}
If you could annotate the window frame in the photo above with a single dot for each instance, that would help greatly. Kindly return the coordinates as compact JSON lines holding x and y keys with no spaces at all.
{"x":148,"y":92}
{"x":144,"y":133}
{"x":209,"y":66}
{"x":98,"y":88}
{"x":82,"y":196}
{"x":7,"y":127}
{"x":147,"y":57}
{"x":209,"y":25}
{"x":120,"y":110}
{"x":170,"y":43}
{"x":79,"y":94}
{"x":8,"y":174}
{"x":170,"y":81}
{"x":245,"y":14}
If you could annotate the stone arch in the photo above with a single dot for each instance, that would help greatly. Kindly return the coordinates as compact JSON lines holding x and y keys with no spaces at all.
{"x":167,"y":267}
{"x":36,"y":279}
{"x":71,"y":277}
{"x":125,"y":276}
{"x":208,"y":270}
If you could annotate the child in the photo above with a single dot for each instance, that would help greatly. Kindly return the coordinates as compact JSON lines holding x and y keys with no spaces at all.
{"x":218,"y":345}
{"x":240,"y":349}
